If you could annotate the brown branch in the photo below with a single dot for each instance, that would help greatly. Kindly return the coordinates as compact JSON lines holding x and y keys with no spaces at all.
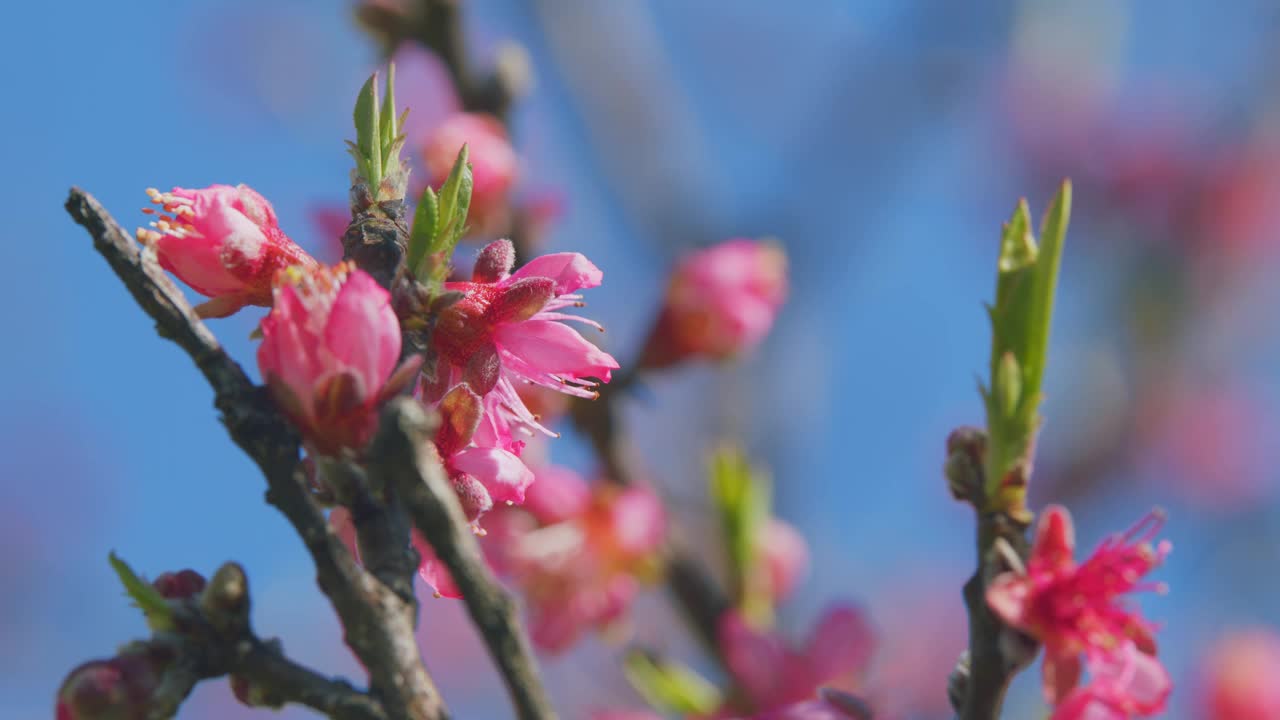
{"x":212,"y":638}
{"x":996,"y":653}
{"x":378,"y":624}
{"x":402,"y":458}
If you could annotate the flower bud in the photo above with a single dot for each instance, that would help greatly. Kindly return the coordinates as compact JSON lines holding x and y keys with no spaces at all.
{"x":494,"y":165}
{"x":118,"y":688}
{"x":224,"y":242}
{"x":329,"y":349}
{"x":721,"y":301}
{"x":179,"y":585}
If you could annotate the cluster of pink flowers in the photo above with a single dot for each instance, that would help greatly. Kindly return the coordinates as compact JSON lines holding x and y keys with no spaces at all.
{"x":331,"y":344}
{"x":1074,"y":610}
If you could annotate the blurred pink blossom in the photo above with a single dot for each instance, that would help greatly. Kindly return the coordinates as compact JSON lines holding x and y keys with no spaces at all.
{"x":1124,"y":683}
{"x":786,"y":557}
{"x":774,"y":674}
{"x":1239,"y":677}
{"x":721,"y":301}
{"x":494,"y":166}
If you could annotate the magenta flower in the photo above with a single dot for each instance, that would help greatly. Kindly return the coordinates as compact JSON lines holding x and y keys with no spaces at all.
{"x":494,"y":165}
{"x":506,"y":330}
{"x":1125,"y":683}
{"x":224,"y":242}
{"x":774,"y":674}
{"x":1238,"y":677}
{"x":329,"y":349}
{"x":1075,"y":609}
{"x":721,"y":301}
{"x":481,"y":475}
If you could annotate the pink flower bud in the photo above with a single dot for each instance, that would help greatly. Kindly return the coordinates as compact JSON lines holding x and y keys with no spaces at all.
{"x":118,"y":688}
{"x":329,"y":349}
{"x":179,"y":585}
{"x":224,"y":242}
{"x":1239,"y":677}
{"x":494,"y":165}
{"x":786,"y":557}
{"x":721,"y":301}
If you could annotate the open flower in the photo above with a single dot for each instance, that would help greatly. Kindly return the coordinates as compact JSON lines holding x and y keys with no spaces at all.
{"x":1075,"y":609}
{"x":329,"y":349}
{"x":583,"y":570}
{"x":774,"y":674}
{"x":224,"y":242}
{"x":481,"y":475}
{"x":721,"y":302}
{"x":506,"y":330}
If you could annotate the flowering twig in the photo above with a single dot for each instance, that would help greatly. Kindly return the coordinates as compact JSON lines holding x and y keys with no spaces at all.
{"x":403,"y":460}
{"x":211,"y":637}
{"x":378,"y":624}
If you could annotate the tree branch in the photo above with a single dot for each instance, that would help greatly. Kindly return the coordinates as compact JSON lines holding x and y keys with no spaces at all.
{"x":377,"y":623}
{"x":213,"y":638}
{"x":401,"y":457}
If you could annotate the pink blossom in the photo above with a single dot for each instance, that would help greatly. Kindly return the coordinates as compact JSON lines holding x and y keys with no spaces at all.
{"x":224,"y":242}
{"x":494,"y":165}
{"x":583,"y":572}
{"x":1239,"y":677}
{"x":481,"y":474}
{"x":506,"y":330}
{"x":329,"y":349}
{"x":1075,"y":609}
{"x":774,"y":674}
{"x":721,"y":301}
{"x":117,"y":687}
{"x":786,"y":557}
{"x":1125,"y":683}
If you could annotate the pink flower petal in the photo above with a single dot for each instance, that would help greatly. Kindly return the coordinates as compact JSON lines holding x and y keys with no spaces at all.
{"x":570,"y":271}
{"x":363,"y":331}
{"x":501,"y":473}
{"x":555,"y":348}
{"x":840,"y":645}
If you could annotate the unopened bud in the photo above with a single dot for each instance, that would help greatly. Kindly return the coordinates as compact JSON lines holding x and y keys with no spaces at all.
{"x":118,"y":688}
{"x":179,"y":585}
{"x":966,"y":447}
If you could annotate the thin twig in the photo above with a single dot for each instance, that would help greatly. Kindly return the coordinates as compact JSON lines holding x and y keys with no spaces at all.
{"x":403,"y":459}
{"x":377,"y":623}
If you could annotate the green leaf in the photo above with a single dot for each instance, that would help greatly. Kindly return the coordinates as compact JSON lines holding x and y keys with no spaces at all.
{"x":450,"y":207}
{"x":154,"y":606}
{"x":742,"y":499}
{"x":425,"y":220}
{"x":1053,"y":233}
{"x":669,"y":687}
{"x":388,"y":130}
{"x":1021,"y":317}
{"x":366,"y":114}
